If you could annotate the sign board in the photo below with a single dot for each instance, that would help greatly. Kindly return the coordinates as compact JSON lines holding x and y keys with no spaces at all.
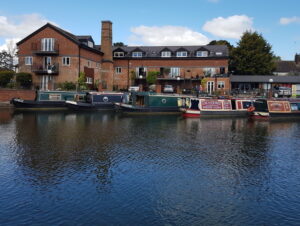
{"x":215,"y":105}
{"x":279,"y":106}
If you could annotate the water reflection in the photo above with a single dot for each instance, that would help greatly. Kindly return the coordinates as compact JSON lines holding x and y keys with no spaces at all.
{"x":151,"y":169}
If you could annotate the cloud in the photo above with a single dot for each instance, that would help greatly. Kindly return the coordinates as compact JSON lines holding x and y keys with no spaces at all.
{"x":18,"y":27}
{"x":166,"y":35}
{"x":289,"y":20}
{"x":230,"y":27}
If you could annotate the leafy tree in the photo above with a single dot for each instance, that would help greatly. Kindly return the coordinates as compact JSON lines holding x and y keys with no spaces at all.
{"x":222,"y":42}
{"x":82,"y":81}
{"x":119,"y":44}
{"x":253,"y":55}
{"x":152,"y":77}
{"x":6,"y":77}
{"x":68,"y":85}
{"x":6,"y":61}
{"x":24,"y":79}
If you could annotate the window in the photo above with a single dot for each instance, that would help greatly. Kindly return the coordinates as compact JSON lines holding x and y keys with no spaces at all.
{"x":89,"y":80}
{"x":181,"y":54}
{"x":119,"y":54}
{"x":166,"y":54}
{"x":90,"y":44}
{"x":89,"y":63}
{"x":48,"y":44}
{"x":219,"y":53}
{"x":98,"y":65}
{"x":118,"y":70}
{"x":66,"y":61}
{"x":221,"y":85}
{"x":209,"y":71}
{"x":137,"y":54}
{"x":141,"y":72}
{"x":28,"y":60}
{"x":202,"y":54}
{"x":174,"y":72}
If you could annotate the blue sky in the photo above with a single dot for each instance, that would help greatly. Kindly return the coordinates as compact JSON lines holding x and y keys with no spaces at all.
{"x":160,"y":22}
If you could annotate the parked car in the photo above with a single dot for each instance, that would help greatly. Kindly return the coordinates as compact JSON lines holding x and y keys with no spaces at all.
{"x":168,"y":89}
{"x":283,"y":92}
{"x":134,"y":89}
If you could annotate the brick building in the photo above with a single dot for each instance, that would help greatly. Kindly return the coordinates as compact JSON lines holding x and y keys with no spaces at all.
{"x":54,"y":55}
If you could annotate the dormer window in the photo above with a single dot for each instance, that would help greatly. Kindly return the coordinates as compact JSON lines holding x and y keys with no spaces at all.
{"x":166,"y":54}
{"x":202,"y":54}
{"x":219,"y":53}
{"x":119,"y":54}
{"x":137,"y":54}
{"x":90,"y":44}
{"x":181,"y":54}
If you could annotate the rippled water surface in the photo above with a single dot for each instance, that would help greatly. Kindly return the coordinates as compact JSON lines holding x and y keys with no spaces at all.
{"x":64,"y":168}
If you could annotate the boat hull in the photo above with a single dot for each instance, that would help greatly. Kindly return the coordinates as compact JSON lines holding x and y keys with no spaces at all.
{"x":127,"y":108}
{"x":32,"y":104}
{"x":78,"y":106}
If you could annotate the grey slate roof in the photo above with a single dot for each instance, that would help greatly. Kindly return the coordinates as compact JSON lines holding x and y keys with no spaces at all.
{"x":264,"y":79}
{"x":287,"y":66}
{"x":155,"y":51}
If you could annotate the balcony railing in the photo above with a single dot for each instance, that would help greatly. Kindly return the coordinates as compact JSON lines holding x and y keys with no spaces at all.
{"x":52,"y":69}
{"x":38,"y":49}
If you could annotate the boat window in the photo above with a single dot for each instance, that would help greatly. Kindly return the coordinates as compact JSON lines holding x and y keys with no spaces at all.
{"x":295,"y":106}
{"x":89,"y":98}
{"x":194,"y":104}
{"x":246,"y":104}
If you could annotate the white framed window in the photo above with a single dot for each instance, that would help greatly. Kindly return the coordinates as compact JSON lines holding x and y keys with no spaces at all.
{"x":89,"y":63}
{"x":137,"y":54}
{"x":118,"y":70}
{"x":89,"y":80}
{"x":28,"y":60}
{"x":174,"y":72}
{"x":221,"y":84}
{"x":48,"y":44}
{"x":219,"y":53}
{"x":66,"y":61}
{"x":181,"y":54}
{"x":209,"y":71}
{"x":119,"y":54}
{"x":202,"y":54}
{"x":166,"y":54}
{"x":90,"y":44}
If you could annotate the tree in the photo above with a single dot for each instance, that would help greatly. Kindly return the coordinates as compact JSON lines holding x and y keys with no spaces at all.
{"x":152,"y":77}
{"x":222,"y":42}
{"x":24,"y":79}
{"x":119,"y":44}
{"x":6,"y":61}
{"x":253,"y":55}
{"x":5,"y":77}
{"x":82,"y":81}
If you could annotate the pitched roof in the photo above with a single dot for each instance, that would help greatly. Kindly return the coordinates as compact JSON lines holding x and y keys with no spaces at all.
{"x":68,"y":35}
{"x":154,"y":51}
{"x":287,"y":66}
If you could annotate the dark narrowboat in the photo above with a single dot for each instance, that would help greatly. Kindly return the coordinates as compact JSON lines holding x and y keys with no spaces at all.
{"x":46,"y":100}
{"x":96,"y":101}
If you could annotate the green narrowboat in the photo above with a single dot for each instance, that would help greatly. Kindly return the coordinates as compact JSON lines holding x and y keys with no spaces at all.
{"x":149,"y":102}
{"x":48,"y":100}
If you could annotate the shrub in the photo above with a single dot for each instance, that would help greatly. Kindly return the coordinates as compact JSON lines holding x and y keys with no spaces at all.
{"x":68,"y":86}
{"x":6,"y":77}
{"x":152,"y":77}
{"x":24,"y":79}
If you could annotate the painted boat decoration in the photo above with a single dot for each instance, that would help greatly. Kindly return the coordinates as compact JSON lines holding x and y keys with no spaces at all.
{"x":196,"y":107}
{"x":47,"y":100}
{"x":140,"y":102}
{"x":96,"y":101}
{"x":275,"y":108}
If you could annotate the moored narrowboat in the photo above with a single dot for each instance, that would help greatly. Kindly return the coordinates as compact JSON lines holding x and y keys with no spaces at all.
{"x":96,"y":101}
{"x":141,"y":102}
{"x":275,"y":108}
{"x":46,"y":100}
{"x":196,"y":107}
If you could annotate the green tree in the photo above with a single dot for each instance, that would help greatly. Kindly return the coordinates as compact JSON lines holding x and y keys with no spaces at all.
{"x":152,"y":77}
{"x":222,"y":42}
{"x":6,"y":77}
{"x":24,"y":79}
{"x":82,"y":81}
{"x":119,"y":44}
{"x":253,"y":55}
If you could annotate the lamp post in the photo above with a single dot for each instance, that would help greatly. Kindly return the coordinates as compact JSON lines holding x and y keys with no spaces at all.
{"x":178,"y":82}
{"x":270,"y":81}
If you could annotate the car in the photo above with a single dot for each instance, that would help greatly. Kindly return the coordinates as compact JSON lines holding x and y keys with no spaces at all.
{"x":134,"y":89}
{"x":283,"y":92}
{"x":168,"y":89}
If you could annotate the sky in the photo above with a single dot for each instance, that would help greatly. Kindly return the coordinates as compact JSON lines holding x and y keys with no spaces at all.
{"x":160,"y":22}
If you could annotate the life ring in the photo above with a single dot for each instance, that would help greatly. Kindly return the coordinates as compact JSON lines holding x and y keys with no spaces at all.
{"x":251,"y":109}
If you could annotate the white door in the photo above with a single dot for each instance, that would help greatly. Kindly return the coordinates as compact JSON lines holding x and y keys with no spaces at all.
{"x":210,"y":87}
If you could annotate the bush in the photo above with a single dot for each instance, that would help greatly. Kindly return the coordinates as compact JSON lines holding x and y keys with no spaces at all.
{"x":152,"y":77}
{"x":68,"y":86}
{"x":6,"y":77}
{"x":24,"y":79}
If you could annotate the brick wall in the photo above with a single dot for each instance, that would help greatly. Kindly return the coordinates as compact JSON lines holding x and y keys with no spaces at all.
{"x":8,"y":94}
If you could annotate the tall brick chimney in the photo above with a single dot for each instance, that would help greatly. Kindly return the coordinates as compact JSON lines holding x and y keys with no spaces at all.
{"x":107,"y":60}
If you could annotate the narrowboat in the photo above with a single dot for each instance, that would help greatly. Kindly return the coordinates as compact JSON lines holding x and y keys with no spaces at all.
{"x":96,"y":101}
{"x":46,"y":100}
{"x":275,"y":108}
{"x":196,"y":107}
{"x":142,"y":102}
